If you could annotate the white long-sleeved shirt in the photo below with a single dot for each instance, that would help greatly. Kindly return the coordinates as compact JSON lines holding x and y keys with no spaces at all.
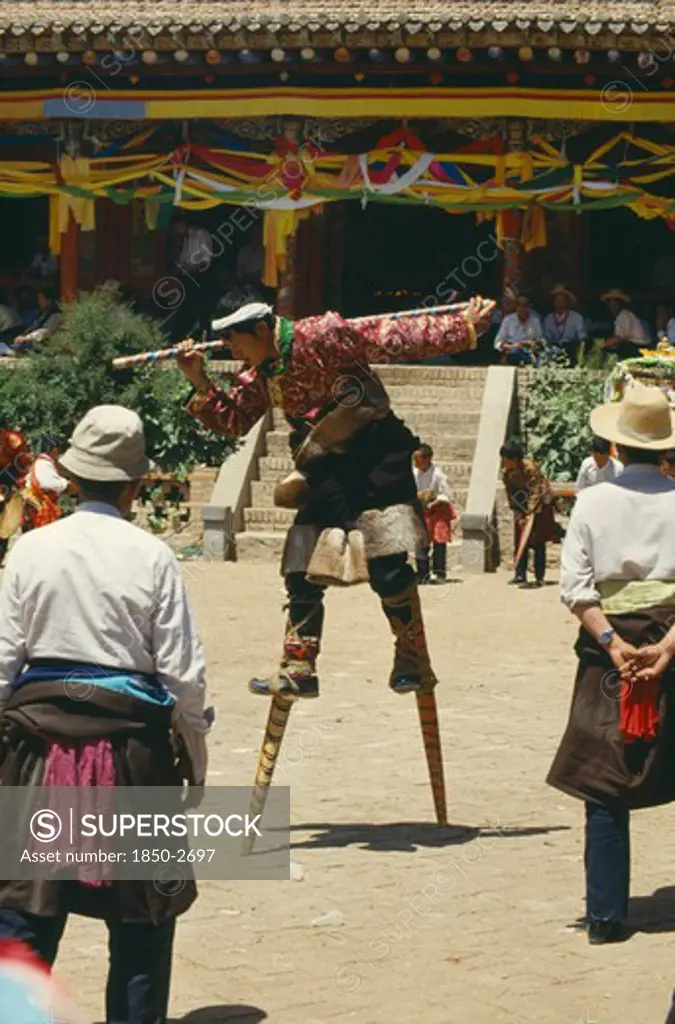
{"x":433,"y":479}
{"x":8,"y":318}
{"x":560,"y":331}
{"x":197,"y":249}
{"x":48,"y":476}
{"x":94,"y":588}
{"x":513,"y":331}
{"x":591,"y":473}
{"x":619,"y":531}
{"x":627,"y":327}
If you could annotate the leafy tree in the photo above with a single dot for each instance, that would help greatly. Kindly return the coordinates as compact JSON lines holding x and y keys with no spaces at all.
{"x":53,"y":388}
{"x":555,"y":417}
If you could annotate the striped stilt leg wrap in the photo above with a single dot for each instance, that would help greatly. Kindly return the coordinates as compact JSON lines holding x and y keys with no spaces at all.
{"x":431,"y":737}
{"x":280,"y":709}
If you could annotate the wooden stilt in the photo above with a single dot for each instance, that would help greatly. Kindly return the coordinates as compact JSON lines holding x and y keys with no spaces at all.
{"x":280,"y":709}
{"x":431,"y":736}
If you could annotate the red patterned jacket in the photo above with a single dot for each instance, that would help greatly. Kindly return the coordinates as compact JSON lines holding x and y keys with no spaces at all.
{"x":328,"y":354}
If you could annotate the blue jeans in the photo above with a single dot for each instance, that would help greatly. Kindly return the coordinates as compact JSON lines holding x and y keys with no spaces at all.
{"x":140,"y":961}
{"x":607,"y":862}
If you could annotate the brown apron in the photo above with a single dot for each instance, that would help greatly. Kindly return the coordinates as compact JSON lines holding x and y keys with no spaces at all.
{"x":593,"y":762}
{"x":143,"y":756}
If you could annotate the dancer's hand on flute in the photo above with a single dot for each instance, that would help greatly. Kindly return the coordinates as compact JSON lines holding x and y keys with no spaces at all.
{"x":192,"y":365}
{"x":478,"y":313}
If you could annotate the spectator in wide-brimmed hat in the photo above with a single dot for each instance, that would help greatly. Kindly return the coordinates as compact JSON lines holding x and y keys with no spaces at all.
{"x":564,"y":328}
{"x":618,"y":578}
{"x":628,"y":335}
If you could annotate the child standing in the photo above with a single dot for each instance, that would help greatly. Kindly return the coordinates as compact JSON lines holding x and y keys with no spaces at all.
{"x":600,"y":467}
{"x":433,"y":491}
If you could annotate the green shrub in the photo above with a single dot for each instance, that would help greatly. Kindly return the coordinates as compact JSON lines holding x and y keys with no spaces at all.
{"x":53,"y":388}
{"x":555,"y":419}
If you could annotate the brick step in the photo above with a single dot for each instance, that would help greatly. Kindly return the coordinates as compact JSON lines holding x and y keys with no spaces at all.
{"x":269,"y":547}
{"x":446,"y":448}
{"x":394,"y":373}
{"x":276,"y":467}
{"x":461,"y":394}
{"x":418,"y":371}
{"x":423,"y":401}
{"x":262,"y":494}
{"x":441,"y":422}
{"x":260,"y":547}
{"x":398,"y":373}
{"x":424,"y":420}
{"x":267,"y":520}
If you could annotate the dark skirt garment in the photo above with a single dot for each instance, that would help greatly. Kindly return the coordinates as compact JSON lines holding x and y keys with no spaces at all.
{"x":370,"y":487}
{"x":374,"y":472}
{"x":143,"y":756}
{"x":593,"y":762}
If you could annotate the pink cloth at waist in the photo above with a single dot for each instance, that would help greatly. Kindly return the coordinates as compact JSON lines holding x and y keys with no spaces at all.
{"x":86,"y":764}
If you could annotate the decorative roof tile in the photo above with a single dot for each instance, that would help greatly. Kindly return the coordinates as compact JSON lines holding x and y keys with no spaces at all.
{"x":24,"y":14}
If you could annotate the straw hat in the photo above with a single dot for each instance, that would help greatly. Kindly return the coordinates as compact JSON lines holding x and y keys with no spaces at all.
{"x":108,"y":444}
{"x":615,"y":293}
{"x":642,"y":419}
{"x":561,"y":289}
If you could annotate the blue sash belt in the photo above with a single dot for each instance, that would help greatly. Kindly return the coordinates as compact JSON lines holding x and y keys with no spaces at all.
{"x":139,"y":685}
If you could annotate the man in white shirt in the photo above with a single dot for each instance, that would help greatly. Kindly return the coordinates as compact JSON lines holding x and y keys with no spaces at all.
{"x":618,"y":578}
{"x":628,"y":335}
{"x":47,"y":323}
{"x":519,"y":334}
{"x":600,"y":466}
{"x":197,"y":271}
{"x":197,"y":249}
{"x":92,"y":604}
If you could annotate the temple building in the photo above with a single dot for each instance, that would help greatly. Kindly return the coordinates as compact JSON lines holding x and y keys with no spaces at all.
{"x":362,"y":157}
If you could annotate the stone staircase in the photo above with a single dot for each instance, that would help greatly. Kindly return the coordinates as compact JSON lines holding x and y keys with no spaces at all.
{"x":441,"y":404}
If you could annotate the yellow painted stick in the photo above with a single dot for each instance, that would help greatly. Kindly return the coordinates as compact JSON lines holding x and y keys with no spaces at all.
{"x":431,"y":736}
{"x":277,"y":720}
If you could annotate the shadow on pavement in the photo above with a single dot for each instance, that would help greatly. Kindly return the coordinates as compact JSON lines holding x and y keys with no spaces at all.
{"x":406,"y":837}
{"x":223,"y":1015}
{"x":655,"y":913}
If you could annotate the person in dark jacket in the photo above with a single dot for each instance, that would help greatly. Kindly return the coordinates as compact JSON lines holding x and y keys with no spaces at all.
{"x":529,"y":496}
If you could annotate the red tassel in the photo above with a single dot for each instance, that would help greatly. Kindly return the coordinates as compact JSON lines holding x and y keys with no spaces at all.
{"x":638,"y":710}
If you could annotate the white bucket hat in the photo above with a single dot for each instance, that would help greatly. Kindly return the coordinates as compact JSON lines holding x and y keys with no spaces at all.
{"x":108,"y":444}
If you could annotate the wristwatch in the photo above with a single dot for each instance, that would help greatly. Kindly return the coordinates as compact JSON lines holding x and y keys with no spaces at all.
{"x":606,"y":637}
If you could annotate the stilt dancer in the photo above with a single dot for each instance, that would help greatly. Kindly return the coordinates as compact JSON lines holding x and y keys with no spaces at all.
{"x":353,"y":474}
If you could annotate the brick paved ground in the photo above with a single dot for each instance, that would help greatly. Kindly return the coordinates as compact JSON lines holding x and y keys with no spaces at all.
{"x":438,"y":927}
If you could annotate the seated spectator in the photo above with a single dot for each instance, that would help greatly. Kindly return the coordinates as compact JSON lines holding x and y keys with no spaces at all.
{"x":26,"y":305}
{"x":564,"y":328}
{"x":664,"y":323}
{"x":519,"y":334}
{"x":9,"y":317}
{"x":47,"y":322}
{"x":9,"y":325}
{"x":628,"y":334}
{"x":44,"y":264}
